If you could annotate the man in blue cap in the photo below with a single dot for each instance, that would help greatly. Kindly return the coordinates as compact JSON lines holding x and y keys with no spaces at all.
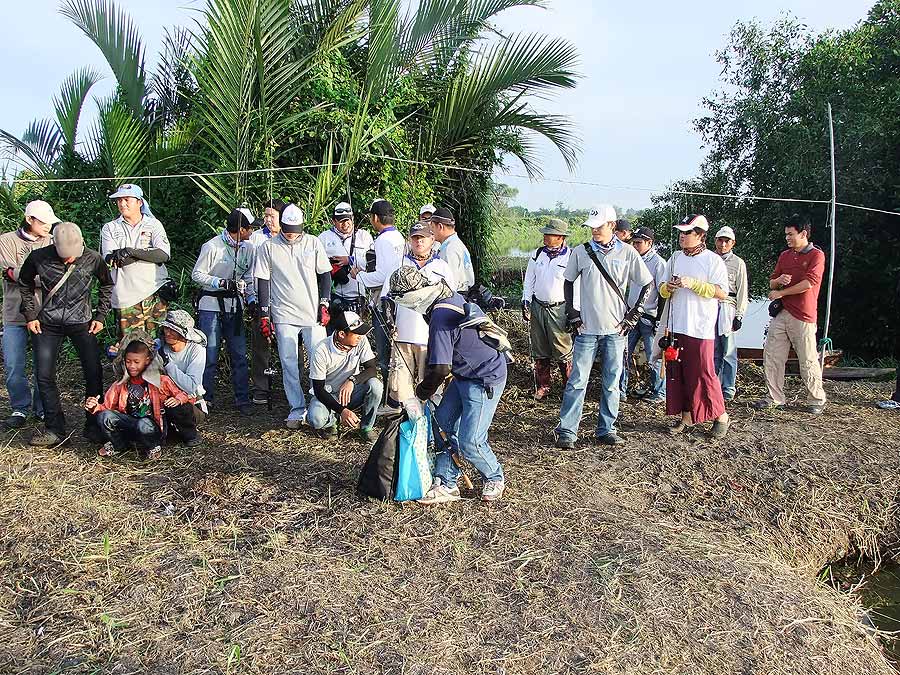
{"x":136,"y":248}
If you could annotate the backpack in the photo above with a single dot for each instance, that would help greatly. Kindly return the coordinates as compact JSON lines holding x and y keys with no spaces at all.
{"x":397,"y":467}
{"x":488,"y":331}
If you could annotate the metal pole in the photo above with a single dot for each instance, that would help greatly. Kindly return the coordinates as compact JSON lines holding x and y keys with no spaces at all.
{"x":833,"y":251}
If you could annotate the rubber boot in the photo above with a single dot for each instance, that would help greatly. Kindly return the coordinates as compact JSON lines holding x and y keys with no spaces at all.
{"x":565,"y":369}
{"x":541,"y":378}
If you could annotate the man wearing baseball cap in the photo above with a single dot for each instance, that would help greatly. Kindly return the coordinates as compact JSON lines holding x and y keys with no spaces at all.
{"x":409,"y":350}
{"x":623,"y":230}
{"x":695,"y":282}
{"x":426,"y":211}
{"x":382,"y":258}
{"x":453,"y":250}
{"x":731,"y":312}
{"x":604,"y":267}
{"x":65,"y":273}
{"x":345,"y":244}
{"x":544,"y":307}
{"x":293,"y":281}
{"x":643,"y":240}
{"x":344,"y":376}
{"x":14,"y":248}
{"x":136,"y":248}
{"x":224,"y":273}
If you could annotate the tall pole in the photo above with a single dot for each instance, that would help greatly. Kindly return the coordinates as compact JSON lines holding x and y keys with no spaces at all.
{"x":833,"y":252}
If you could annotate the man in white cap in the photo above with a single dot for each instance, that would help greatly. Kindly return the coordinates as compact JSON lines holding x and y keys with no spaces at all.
{"x":604,"y":267}
{"x":382,"y":259}
{"x":544,"y":306}
{"x":14,"y":248}
{"x":344,"y":376}
{"x":345,"y":244}
{"x":224,"y":273}
{"x":426,"y":211}
{"x":136,"y":248}
{"x":293,"y":281}
{"x":731,"y":312}
{"x":453,"y":250}
{"x":65,"y":273}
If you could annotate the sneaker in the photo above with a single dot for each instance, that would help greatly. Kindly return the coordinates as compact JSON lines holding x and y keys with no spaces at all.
{"x":890,"y":404}
{"x":327,"y":432}
{"x":564,"y":442}
{"x":719,"y":429}
{"x":441,"y":494}
{"x":368,"y":435}
{"x":766,"y":404}
{"x":728,"y":398}
{"x":108,"y":450}
{"x":293,"y":425}
{"x":46,"y":439}
{"x":815,"y":409}
{"x":260,"y":399}
{"x":15,"y":421}
{"x":154,"y":453}
{"x":193,"y":442}
{"x":655,"y":400}
{"x":388,"y":410}
{"x":611,"y":439}
{"x":246,"y":410}
{"x":492,"y":490}
{"x":541,"y":393}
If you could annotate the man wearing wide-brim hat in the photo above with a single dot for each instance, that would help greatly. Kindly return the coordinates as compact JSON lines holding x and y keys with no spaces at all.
{"x":544,"y":307}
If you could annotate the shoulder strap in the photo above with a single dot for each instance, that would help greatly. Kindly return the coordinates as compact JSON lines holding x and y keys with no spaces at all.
{"x":537,"y":252}
{"x":606,"y":275}
{"x":59,"y":284}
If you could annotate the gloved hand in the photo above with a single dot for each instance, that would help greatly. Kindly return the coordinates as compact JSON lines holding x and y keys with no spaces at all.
{"x":163,"y":357}
{"x":228,"y":285}
{"x":9,"y":274}
{"x":324,"y":317}
{"x":630,"y":321}
{"x":526,"y":311}
{"x":736,"y":325}
{"x":119,"y":258}
{"x":573,"y":320}
{"x":266,"y":328}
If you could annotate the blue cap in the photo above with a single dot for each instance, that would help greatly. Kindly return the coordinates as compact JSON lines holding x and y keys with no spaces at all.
{"x":128,"y":190}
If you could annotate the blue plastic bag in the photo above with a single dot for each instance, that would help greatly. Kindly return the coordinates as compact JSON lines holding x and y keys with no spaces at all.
{"x":413,"y":472}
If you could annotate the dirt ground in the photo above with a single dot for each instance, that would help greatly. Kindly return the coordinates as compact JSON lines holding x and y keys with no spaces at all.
{"x":253,"y":554}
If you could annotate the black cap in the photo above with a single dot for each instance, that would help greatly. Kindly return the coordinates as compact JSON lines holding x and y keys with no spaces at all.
{"x":623,"y":225}
{"x":350,"y":322}
{"x":381,"y":208}
{"x":239,"y":219}
{"x":443,"y":215}
{"x":644,"y":233}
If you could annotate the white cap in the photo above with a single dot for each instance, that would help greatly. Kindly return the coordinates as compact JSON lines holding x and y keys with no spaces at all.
{"x":691,"y":221}
{"x":292,"y":219}
{"x":725,"y":232}
{"x":600,"y":215}
{"x":42,"y":211}
{"x":428,"y":208}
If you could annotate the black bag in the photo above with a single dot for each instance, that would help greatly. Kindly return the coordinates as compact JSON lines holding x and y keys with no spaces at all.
{"x":775,"y":307}
{"x":168,"y":292}
{"x":379,"y":474}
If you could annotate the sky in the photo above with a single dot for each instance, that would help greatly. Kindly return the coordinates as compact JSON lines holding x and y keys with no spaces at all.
{"x":645,"y":68}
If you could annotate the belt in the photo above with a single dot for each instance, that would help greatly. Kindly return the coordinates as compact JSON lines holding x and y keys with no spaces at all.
{"x":548,"y":305}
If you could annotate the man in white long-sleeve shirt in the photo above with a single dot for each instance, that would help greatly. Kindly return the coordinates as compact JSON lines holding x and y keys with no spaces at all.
{"x":224,"y":273}
{"x":453,"y":250}
{"x":544,"y":307}
{"x":731,"y":313}
{"x":381,"y":260}
{"x":345,"y":244}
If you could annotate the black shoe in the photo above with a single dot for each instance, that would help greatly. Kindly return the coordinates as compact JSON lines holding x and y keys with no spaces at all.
{"x":565,"y":443}
{"x":611,"y":439}
{"x":814,"y":409}
{"x":93,"y":434}
{"x":48,"y":439}
{"x":766,"y":404}
{"x":15,"y":421}
{"x":246,"y":409}
{"x":193,"y":442}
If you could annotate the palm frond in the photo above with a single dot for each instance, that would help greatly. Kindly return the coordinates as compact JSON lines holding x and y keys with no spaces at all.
{"x":117,"y":37}
{"x":70,"y":102}
{"x":384,"y":22}
{"x":120,"y":140}
{"x":172,"y":82}
{"x":45,"y":139}
{"x":428,"y":30}
{"x":23,"y":155}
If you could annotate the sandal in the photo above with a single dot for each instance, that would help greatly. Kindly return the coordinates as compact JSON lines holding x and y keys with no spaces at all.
{"x":108,"y":450}
{"x":154,"y":453}
{"x":679,"y":428}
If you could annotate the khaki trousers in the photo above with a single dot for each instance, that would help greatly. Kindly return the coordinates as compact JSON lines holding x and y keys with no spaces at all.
{"x":549,"y":337}
{"x":784,"y":331}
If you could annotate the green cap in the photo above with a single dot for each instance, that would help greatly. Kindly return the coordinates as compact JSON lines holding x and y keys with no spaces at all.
{"x":556,"y":226}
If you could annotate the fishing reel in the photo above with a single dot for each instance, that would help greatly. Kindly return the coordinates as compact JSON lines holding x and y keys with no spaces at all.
{"x":670,"y":347}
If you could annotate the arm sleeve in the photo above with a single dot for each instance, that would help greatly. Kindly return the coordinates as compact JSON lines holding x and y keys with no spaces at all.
{"x":151,"y":255}
{"x":324,"y":279}
{"x":26,"y":280}
{"x":741,"y":290}
{"x":369,"y":370}
{"x":528,"y":285}
{"x":104,"y":296}
{"x":170,"y":389}
{"x":200,"y":274}
{"x":325,"y":397}
{"x":262,"y":292}
{"x":432,"y":380}
{"x":642,"y":296}
{"x":569,"y":294}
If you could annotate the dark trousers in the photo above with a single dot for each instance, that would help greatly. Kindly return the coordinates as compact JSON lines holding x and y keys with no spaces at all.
{"x":183,"y":419}
{"x":260,"y":352}
{"x":47,"y":345}
{"x":122,"y":429}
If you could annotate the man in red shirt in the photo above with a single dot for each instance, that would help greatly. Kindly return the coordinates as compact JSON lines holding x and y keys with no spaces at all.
{"x":795,"y":282}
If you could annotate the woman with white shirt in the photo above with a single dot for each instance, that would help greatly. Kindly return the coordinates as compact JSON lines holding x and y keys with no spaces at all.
{"x":694,"y":282}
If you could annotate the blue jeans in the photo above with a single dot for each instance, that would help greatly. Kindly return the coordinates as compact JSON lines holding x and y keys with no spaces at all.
{"x":365,"y":397}
{"x":610,"y":352}
{"x":216,"y":326}
{"x":122,"y":429}
{"x":725,"y":361}
{"x":289,"y":337}
{"x":22,"y":398}
{"x":465,"y":415}
{"x":642,"y":331}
